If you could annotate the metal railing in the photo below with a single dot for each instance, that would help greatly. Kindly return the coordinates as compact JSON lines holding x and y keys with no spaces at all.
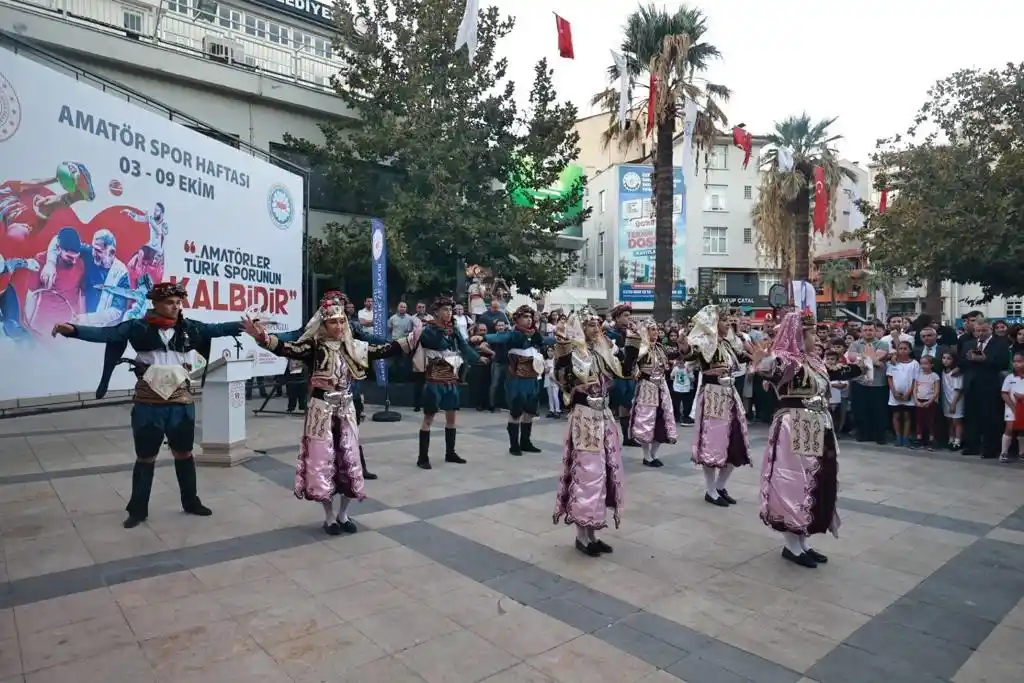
{"x":263,"y":42}
{"x":584,"y":282}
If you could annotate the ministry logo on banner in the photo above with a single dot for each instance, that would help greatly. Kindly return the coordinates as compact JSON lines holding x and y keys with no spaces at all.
{"x":379,"y":266}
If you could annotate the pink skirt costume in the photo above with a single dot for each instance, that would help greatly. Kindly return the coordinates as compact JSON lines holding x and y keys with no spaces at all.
{"x":328,"y":461}
{"x":652,"y":417}
{"x":721,"y":438}
{"x":591,"y":480}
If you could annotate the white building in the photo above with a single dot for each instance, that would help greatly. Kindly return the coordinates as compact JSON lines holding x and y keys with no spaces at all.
{"x":250,"y":71}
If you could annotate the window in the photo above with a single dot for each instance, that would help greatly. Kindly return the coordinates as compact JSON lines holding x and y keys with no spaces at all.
{"x":278,"y":34}
{"x":322,"y":48}
{"x":600,"y":241}
{"x":748,"y":192}
{"x":600,"y":205}
{"x":255,"y":27}
{"x":714,"y":240}
{"x":714,"y":197}
{"x":229,"y":18}
{"x":765,"y":282}
{"x":205,"y":9}
{"x":722,"y":285}
{"x":1014,"y":308}
{"x":748,"y":279}
{"x":132,"y":20}
{"x":178,"y":6}
{"x":717,"y":156}
{"x":748,"y":235}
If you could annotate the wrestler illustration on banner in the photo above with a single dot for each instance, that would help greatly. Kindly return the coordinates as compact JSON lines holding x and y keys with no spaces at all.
{"x":149,"y":260}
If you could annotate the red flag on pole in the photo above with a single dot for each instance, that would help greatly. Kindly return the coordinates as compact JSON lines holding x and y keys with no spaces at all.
{"x":883,"y":203}
{"x":564,"y":38}
{"x":745,"y":141}
{"x":652,"y":103}
{"x":820,"y":200}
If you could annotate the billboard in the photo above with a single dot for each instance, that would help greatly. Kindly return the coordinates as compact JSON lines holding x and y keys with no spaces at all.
{"x":100,"y":199}
{"x":567,"y":179}
{"x":636,"y":235}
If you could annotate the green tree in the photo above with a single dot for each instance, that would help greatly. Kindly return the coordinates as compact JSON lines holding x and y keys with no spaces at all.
{"x":836,"y":274}
{"x":782,"y":213}
{"x":455,"y":144}
{"x":956,"y":183}
{"x":872,"y":281}
{"x":669,"y":46}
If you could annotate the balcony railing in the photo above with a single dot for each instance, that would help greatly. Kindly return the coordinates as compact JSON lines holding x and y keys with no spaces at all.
{"x":264,"y":43}
{"x":584,"y":282}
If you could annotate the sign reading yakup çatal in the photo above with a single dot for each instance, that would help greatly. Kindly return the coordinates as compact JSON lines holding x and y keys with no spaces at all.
{"x":101,"y":199}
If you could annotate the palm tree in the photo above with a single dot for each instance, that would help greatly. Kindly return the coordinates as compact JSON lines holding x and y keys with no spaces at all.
{"x":783,"y":210}
{"x":666,"y":45}
{"x":877,"y":281}
{"x":836,"y":274}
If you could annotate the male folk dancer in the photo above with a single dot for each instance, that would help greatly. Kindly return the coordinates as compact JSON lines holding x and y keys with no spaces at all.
{"x":623,"y":388}
{"x":165,"y":343}
{"x":359,"y":333}
{"x":721,"y":443}
{"x":522,"y":386}
{"x":327,"y":465}
{"x":444,"y":351}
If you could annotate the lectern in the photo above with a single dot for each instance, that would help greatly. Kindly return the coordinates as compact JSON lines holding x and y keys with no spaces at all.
{"x":223,"y":412}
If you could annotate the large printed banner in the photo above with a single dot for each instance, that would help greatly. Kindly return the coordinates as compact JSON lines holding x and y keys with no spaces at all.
{"x":636,"y":235}
{"x":99,"y":200}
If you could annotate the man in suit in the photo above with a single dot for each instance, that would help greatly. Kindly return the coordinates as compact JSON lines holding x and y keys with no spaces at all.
{"x":985,"y":358}
{"x":929,"y":346}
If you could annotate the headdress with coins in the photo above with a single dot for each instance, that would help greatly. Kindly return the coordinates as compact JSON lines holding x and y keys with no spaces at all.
{"x":704,"y":332}
{"x":332,"y":307}
{"x":165,"y":290}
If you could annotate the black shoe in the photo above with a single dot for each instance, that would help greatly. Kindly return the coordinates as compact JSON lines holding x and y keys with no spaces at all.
{"x":627,"y":440}
{"x":525,"y":432}
{"x":803,"y":559}
{"x":449,"y":447}
{"x":970,"y":452}
{"x":416,"y":409}
{"x":513,"y":438}
{"x":720,"y":502}
{"x":131,"y":522}
{"x":367,"y":474}
{"x":198,"y":509}
{"x":348,"y":526}
{"x":724,"y":495}
{"x":185,"y":471}
{"x":816,"y":556}
{"x":601,"y":546}
{"x":654,"y":462}
{"x":590,"y":549}
{"x":332,"y":529}
{"x":423,"y":462}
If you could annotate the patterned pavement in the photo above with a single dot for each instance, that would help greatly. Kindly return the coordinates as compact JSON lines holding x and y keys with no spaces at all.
{"x":458,"y":575}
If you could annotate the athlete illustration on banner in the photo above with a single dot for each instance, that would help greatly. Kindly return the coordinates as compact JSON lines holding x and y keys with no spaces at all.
{"x":149,"y":260}
{"x":20,"y":220}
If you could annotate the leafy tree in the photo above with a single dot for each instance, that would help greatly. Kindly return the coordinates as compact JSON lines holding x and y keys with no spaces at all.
{"x":956,"y":188}
{"x":836,"y":274}
{"x":782,"y":213}
{"x":668,"y":46}
{"x":450,"y":135}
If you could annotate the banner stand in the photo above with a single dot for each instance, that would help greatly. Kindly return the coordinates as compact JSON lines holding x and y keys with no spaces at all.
{"x":386,"y":415}
{"x":379,"y":264}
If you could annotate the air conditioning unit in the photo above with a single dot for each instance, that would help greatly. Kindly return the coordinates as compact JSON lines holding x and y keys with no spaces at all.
{"x":219,"y":49}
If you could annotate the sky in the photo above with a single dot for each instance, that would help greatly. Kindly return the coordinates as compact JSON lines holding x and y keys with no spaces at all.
{"x":869,"y":62}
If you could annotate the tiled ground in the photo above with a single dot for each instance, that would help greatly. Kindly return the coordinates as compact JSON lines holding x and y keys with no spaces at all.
{"x":458,"y":574}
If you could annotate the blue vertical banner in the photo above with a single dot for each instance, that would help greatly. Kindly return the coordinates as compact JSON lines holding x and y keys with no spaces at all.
{"x":379,"y":255}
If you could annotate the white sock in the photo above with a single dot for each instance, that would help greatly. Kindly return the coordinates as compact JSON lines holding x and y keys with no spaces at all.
{"x":723,"y":476}
{"x":654,"y":450}
{"x":342,"y":508}
{"x":328,"y":512}
{"x":803,"y":543}
{"x":646,"y":450}
{"x":792,"y":542}
{"x":710,"y":476}
{"x":582,"y":535}
{"x":1007,"y":440}
{"x":591,"y":535}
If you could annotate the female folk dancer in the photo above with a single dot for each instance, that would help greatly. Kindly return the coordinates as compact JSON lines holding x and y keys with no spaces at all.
{"x":525,"y":368}
{"x":444,"y":351}
{"x":586,"y":365}
{"x":721,"y":443}
{"x":799,"y":475}
{"x":652,"y":420}
{"x":623,"y":388}
{"x":166,"y":344}
{"x":329,"y":455}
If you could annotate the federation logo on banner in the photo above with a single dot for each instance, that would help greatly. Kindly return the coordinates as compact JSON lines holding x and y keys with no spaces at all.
{"x":378,"y":242}
{"x":631,"y":181}
{"x":281,"y":206}
{"x":10,"y":110}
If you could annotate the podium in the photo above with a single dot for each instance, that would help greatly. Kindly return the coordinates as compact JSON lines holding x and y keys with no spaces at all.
{"x":223,"y":411}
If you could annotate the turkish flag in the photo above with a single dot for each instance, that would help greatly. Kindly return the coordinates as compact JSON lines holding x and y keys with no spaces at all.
{"x":564,"y":38}
{"x":745,"y":141}
{"x":652,"y":103}
{"x":883,"y":203}
{"x":820,"y":200}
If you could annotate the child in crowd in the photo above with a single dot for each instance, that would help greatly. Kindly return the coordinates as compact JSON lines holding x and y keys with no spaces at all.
{"x":926,"y":393}
{"x":835,"y":402}
{"x":554,"y":396}
{"x":1013,"y":397}
{"x":952,"y":392}
{"x":901,"y":373}
{"x":682,"y":392}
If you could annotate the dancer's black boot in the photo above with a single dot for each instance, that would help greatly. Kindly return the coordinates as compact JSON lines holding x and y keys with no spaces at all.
{"x":513,"y":438}
{"x":367,"y":474}
{"x":525,"y":431}
{"x":423,"y":462}
{"x":142,"y":486}
{"x":627,"y":440}
{"x":449,"y":447}
{"x":185,"y":469}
